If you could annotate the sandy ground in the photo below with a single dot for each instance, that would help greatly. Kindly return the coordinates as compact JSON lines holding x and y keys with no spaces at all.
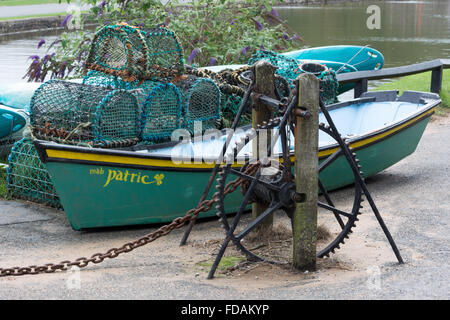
{"x":413,"y":197}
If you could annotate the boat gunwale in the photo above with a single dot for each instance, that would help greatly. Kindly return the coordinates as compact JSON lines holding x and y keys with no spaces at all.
{"x":42,"y":146}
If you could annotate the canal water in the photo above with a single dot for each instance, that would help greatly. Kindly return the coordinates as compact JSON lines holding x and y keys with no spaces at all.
{"x":410,"y":32}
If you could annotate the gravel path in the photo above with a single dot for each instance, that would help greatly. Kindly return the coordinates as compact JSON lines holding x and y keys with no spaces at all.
{"x":413,"y":197}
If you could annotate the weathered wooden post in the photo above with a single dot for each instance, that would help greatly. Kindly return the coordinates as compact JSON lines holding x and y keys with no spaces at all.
{"x":436,"y":79}
{"x":264,"y":84}
{"x":306,"y":173}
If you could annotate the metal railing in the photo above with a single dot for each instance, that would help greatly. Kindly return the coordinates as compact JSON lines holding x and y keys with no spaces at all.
{"x":361,"y":78}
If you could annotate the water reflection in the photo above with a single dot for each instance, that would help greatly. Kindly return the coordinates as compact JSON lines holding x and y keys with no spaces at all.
{"x":15,"y":51}
{"x":411,"y":31}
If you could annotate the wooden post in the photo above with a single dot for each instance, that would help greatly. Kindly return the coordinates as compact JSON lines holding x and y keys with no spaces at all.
{"x":436,"y":80}
{"x":264,"y":84}
{"x":360,"y":87}
{"x":306,"y":174}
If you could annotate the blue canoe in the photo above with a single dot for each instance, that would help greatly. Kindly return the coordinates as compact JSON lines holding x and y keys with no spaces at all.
{"x":11,"y":121}
{"x":341,"y":58}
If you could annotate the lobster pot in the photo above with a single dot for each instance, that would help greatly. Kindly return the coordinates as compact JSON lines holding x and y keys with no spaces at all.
{"x":289,"y":69}
{"x":201,"y":103}
{"x":136,"y":54}
{"x":161,"y":106}
{"x":77,"y":113}
{"x":328,"y":82}
{"x":286,"y":67}
{"x":26,"y":176}
{"x":100,"y":79}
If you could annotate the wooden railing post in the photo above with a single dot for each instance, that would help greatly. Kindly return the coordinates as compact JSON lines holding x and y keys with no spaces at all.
{"x":360,"y":87}
{"x":264,"y":84}
{"x":306,"y":174}
{"x":436,"y":79}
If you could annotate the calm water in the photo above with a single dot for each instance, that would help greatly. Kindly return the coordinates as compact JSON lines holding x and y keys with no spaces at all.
{"x":411,"y":31}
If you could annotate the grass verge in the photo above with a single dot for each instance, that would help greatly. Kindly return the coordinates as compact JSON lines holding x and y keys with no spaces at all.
{"x":3,"y":188}
{"x":35,"y":16}
{"x":422,"y":82}
{"x":8,"y":3}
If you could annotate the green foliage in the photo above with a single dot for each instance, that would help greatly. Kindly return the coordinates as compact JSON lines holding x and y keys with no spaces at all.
{"x":212,"y":32}
{"x":3,"y":188}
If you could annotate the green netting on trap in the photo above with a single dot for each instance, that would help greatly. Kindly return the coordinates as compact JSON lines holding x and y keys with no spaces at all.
{"x":27,"y":177}
{"x":161,"y":105}
{"x":100,"y":79}
{"x":136,"y":54}
{"x":164,"y":108}
{"x":230,"y":107}
{"x":290,"y":70}
{"x":201,"y":103}
{"x":73,"y":113}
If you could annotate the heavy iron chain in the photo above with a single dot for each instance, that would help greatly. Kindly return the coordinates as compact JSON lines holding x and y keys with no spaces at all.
{"x":97,"y":258}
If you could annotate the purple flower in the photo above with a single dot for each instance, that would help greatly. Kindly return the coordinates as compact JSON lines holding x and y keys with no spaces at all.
{"x":192,"y":55}
{"x":213,"y":61}
{"x":66,"y":19}
{"x":45,"y":59}
{"x":41,"y":43}
{"x":38,"y":73}
{"x":34,"y":57}
{"x":286,"y":36}
{"x":262,"y":47}
{"x":80,"y":55}
{"x":232,"y":22}
{"x":103,"y":4}
{"x":274,"y":12}
{"x":259,"y":25}
{"x":244,"y":50}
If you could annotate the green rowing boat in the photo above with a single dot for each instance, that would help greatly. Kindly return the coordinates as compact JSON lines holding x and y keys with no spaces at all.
{"x":104,"y":188}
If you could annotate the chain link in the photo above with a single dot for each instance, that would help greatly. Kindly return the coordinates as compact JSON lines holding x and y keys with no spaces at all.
{"x":112,"y":253}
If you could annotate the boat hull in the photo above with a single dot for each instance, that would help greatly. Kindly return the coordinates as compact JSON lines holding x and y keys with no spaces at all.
{"x":105,"y":188}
